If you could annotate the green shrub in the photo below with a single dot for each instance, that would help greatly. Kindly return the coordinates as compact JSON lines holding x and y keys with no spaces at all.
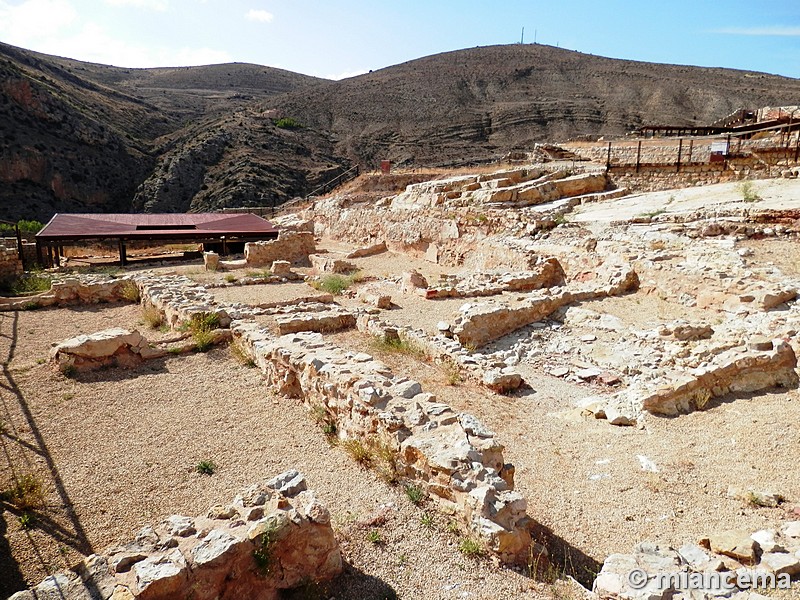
{"x":416,"y":494}
{"x":27,"y":284}
{"x":374,"y":537}
{"x":470,"y":547}
{"x":25,"y":227}
{"x":263,"y":553}
{"x":333,"y":283}
{"x":206,"y":467}
{"x":748,"y":191}
{"x":358,"y":452}
{"x":26,"y":521}
{"x":287,"y":123}
{"x":398,"y":345}
{"x":230,"y":278}
{"x":152,"y":317}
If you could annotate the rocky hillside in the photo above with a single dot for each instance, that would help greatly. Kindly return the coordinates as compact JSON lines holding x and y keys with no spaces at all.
{"x":77,"y":136}
{"x":80,"y":137}
{"x":478,"y":103}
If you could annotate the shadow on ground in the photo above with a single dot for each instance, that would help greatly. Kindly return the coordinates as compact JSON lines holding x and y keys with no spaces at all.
{"x":22,"y":454}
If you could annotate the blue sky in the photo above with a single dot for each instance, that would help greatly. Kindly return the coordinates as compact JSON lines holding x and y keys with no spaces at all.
{"x":349,"y":37}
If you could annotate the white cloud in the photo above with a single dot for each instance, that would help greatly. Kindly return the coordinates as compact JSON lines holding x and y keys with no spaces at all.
{"x":347,"y":74}
{"x":158,"y":5}
{"x":259,"y":16}
{"x":773,"y":31}
{"x":34,"y":20}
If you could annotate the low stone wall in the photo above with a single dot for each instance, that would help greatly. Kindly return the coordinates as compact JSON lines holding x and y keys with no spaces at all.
{"x":110,"y":347}
{"x":274,"y":536}
{"x":452,"y":456}
{"x":482,"y":322}
{"x":294,"y":246}
{"x":734,"y":370}
{"x":548,"y":273}
{"x":714,"y":567}
{"x":328,"y":321}
{"x":180,"y":299}
{"x":84,"y":289}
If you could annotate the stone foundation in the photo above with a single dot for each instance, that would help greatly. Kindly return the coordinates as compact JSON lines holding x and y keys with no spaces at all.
{"x":275,"y":536}
{"x":456,"y":460}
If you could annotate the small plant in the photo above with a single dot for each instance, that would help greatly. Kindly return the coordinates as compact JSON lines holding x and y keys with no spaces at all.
{"x":31,"y":305}
{"x":67,"y":397}
{"x":26,"y":521}
{"x":26,"y":493}
{"x":129,"y":291}
{"x":748,"y":191}
{"x":470,"y":547}
{"x":231,"y":278}
{"x":266,"y":274}
{"x":560,"y":219}
{"x":453,"y":527}
{"x":654,"y":213}
{"x":333,"y":284}
{"x":398,"y":345}
{"x":41,"y":361}
{"x":452,"y":373}
{"x":358,"y":452}
{"x":374,"y":537}
{"x":153,"y":317}
{"x":388,"y":462}
{"x":206,"y":467}
{"x":427,"y":520}
{"x":241,"y":356}
{"x":416,"y":494}
{"x":202,"y":326}
{"x":287,"y":123}
{"x":262,"y":555}
{"x":325,"y":421}
{"x":69,"y":371}
{"x":402,"y":560}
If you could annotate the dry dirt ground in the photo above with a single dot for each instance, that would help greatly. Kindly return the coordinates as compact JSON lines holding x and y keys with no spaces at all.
{"x":117,"y":450}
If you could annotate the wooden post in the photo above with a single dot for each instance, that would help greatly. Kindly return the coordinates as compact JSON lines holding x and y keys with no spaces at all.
{"x":680,"y":151}
{"x":608,"y":157}
{"x":691,"y":147}
{"x":49,"y":255}
{"x":123,"y":258}
{"x":797,"y":147}
{"x":20,"y":253}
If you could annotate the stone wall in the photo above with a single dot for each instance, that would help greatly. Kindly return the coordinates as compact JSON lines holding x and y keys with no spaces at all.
{"x":481,"y":322}
{"x":293,"y":246}
{"x":274,"y":536}
{"x":83,"y":289}
{"x":10,"y":264}
{"x":452,"y":456}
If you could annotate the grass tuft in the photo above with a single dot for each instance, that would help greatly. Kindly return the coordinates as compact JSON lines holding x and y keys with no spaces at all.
{"x":153,"y":317}
{"x":26,"y":493}
{"x":748,"y":191}
{"x":206,"y":467}
{"x":471,"y":547}
{"x":335,"y":284}
{"x":28,"y":283}
{"x":416,"y":494}
{"x":358,"y":452}
{"x":130,"y":291}
{"x":398,"y":345}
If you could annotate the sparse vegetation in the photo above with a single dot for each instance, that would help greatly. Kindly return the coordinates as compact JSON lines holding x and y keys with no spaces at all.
{"x":398,"y":345}
{"x":427,"y":520}
{"x":241,"y":355}
{"x":748,"y":191}
{"x":358,"y":452}
{"x":202,"y":327}
{"x":287,"y":123}
{"x":68,"y":371}
{"x":28,"y":283}
{"x":206,"y":467}
{"x":259,"y":274}
{"x":416,"y":494}
{"x":130,"y":291}
{"x":25,"y":227}
{"x":325,"y":421}
{"x":333,"y":283}
{"x":263,"y":554}
{"x":452,"y":373}
{"x":26,"y":493}
{"x":470,"y":547}
{"x":26,"y":521}
{"x":153,"y":317}
{"x":231,"y":278}
{"x":387,"y":459}
{"x":374,"y":537}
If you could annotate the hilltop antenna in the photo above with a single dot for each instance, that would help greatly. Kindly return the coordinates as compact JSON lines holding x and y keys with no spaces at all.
{"x":522,"y":39}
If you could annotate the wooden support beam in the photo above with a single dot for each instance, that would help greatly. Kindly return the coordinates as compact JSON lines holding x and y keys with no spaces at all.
{"x":123,"y":257}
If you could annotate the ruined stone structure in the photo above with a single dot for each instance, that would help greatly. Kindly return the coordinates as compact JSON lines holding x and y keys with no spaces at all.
{"x":274,"y":536}
{"x":294,"y":246}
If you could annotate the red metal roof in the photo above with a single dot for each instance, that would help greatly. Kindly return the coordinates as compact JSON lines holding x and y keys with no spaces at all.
{"x":155,"y":226}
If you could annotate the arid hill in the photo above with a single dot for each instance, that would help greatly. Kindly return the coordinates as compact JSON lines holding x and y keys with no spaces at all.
{"x":477,"y":103}
{"x":78,"y":136}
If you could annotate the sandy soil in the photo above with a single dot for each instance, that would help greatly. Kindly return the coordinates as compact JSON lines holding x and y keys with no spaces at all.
{"x":116,"y":450}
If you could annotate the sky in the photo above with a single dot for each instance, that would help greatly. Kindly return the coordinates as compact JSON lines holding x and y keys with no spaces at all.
{"x":350,"y":37}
